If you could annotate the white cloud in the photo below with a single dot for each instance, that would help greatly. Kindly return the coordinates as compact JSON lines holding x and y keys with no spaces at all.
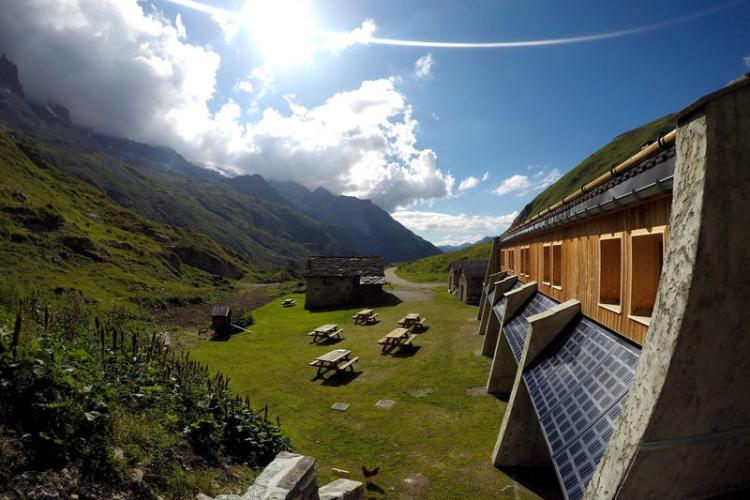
{"x":471,"y":182}
{"x":523,"y":184}
{"x":421,"y":221}
{"x":468,"y":183}
{"x":244,"y":85}
{"x":545,"y":179}
{"x":118,"y":70}
{"x":125,"y":72}
{"x":519,"y":183}
{"x":181,"y":31}
{"x":424,"y":65}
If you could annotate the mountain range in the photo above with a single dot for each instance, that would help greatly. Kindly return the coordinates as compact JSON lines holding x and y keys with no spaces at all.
{"x":453,"y":248}
{"x":259,"y":224}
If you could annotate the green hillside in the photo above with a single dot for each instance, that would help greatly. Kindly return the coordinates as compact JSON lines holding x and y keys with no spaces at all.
{"x":621,"y":148}
{"x":57,"y":232}
{"x":435,"y":268}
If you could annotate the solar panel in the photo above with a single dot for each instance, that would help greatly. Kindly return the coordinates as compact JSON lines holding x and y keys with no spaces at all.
{"x":516,"y":329}
{"x":578,"y":388}
{"x":499,"y":308}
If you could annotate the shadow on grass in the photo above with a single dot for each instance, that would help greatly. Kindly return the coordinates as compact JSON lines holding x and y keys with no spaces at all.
{"x":374,"y":487}
{"x":404,"y":352}
{"x":387,"y":299}
{"x":328,"y":341}
{"x":502,"y":396}
{"x":340,"y":378}
{"x":540,"y":480}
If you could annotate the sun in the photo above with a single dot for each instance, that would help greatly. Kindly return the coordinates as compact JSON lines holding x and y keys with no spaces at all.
{"x":284,"y":31}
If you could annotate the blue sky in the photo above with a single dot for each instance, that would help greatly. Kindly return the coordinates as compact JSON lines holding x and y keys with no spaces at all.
{"x":246,"y":86}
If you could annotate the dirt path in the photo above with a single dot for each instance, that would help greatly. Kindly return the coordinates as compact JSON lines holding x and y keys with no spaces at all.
{"x":408,"y":290}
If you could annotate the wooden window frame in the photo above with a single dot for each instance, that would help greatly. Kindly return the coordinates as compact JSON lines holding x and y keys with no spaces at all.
{"x":654,"y":231}
{"x":525,"y":261}
{"x":615,"y":308}
{"x":552,"y":259}
{"x":511,"y":258}
{"x":547,"y":264}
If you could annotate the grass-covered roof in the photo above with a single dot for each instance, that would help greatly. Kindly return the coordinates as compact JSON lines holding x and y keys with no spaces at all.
{"x":618,"y":150}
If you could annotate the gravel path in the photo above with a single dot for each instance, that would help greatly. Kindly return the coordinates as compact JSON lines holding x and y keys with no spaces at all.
{"x":408,"y":291}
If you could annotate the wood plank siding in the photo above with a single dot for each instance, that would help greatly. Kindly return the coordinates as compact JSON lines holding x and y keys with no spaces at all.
{"x":566,"y":263}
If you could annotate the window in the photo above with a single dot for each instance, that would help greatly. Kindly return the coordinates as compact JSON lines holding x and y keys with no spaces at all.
{"x":511,"y":264}
{"x":502,"y":259}
{"x":557,"y":265}
{"x":546,"y":265}
{"x":525,"y":261}
{"x":647,"y":255}
{"x":610,"y":273}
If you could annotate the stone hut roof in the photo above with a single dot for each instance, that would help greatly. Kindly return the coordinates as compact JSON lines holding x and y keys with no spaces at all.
{"x":456,"y":264}
{"x":474,"y":269}
{"x":342,"y":267}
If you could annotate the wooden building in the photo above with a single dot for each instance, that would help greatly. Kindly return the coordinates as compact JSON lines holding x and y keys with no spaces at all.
{"x":343,"y":281}
{"x":221,"y":321}
{"x":616,"y":318}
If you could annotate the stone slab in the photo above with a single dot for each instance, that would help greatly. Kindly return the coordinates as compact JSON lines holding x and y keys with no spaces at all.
{"x":385,"y":404}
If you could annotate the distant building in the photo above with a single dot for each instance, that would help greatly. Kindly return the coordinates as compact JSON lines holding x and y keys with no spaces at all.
{"x":343,"y":281}
{"x":453,"y":275}
{"x":470,"y":278}
{"x":221,"y":321}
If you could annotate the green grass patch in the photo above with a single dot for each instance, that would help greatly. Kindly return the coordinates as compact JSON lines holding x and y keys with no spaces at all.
{"x":435,"y":428}
{"x":435,"y":268}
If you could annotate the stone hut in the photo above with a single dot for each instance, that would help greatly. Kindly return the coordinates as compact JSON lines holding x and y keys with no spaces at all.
{"x":343,"y":281}
{"x":453,"y":275}
{"x":470,"y":278}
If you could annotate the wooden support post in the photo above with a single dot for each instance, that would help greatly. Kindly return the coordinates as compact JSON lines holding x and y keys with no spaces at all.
{"x":514,"y":300}
{"x":501,"y":286}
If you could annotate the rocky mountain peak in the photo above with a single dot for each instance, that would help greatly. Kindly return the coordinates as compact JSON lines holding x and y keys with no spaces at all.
{"x":9,"y":77}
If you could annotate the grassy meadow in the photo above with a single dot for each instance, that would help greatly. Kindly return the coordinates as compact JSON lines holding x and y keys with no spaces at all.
{"x":436,"y":429}
{"x":435,"y":268}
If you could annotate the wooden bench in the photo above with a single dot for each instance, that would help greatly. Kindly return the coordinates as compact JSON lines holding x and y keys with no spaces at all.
{"x":348,"y":364}
{"x":335,"y":334}
{"x":407,"y":342}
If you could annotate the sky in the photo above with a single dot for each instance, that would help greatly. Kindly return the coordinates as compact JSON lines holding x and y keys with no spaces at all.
{"x":449,"y":115}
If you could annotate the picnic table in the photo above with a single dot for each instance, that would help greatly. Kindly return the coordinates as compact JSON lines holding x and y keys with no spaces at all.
{"x":399,"y":337}
{"x":365,"y":316}
{"x":338,"y":359}
{"x":288,"y":303}
{"x":326,"y":332}
{"x":412,"y":321}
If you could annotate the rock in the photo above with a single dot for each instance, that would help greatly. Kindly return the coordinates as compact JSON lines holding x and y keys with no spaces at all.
{"x":477,"y":391}
{"x":385,"y":404}
{"x":207,"y":262}
{"x":416,"y":485}
{"x":342,"y":489}
{"x":340,"y":406}
{"x":9,"y":77}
